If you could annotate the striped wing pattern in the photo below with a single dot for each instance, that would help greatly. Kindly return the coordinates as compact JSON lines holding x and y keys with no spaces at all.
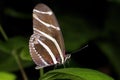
{"x":46,"y":44}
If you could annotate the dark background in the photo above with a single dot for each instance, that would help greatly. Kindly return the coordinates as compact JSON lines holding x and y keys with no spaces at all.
{"x":93,"y":23}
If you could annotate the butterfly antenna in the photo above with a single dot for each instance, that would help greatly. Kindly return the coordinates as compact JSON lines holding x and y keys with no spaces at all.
{"x":79,"y":49}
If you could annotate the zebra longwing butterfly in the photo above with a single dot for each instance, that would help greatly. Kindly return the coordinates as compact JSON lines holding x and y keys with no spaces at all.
{"x":46,"y":44}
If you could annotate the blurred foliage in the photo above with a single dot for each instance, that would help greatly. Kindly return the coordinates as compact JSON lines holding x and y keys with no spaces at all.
{"x":117,"y":1}
{"x":16,"y":44}
{"x":112,"y":52}
{"x":77,"y":31}
{"x":6,"y":76}
{"x":13,"y":13}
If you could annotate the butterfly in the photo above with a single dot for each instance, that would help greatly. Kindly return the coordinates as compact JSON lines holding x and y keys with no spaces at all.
{"x":46,"y":44}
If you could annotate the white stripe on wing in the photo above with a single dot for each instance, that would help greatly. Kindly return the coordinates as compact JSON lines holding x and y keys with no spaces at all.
{"x":54,"y":41}
{"x":49,"y":51}
{"x":42,"y":12}
{"x":44,"y":23}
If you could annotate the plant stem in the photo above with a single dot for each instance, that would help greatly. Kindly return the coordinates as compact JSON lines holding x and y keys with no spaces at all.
{"x":41,"y":73}
{"x":3,"y":33}
{"x":14,"y":54}
{"x":20,"y":65}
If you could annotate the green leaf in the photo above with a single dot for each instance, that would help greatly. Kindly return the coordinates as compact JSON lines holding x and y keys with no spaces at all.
{"x":16,"y":14}
{"x":75,"y":74}
{"x":7,"y":59}
{"x":112,"y":52}
{"x":7,"y":76}
{"x":8,"y":63}
{"x":25,"y":54}
{"x":12,"y":44}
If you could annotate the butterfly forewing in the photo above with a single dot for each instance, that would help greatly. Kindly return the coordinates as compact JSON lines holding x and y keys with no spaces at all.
{"x":46,"y":44}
